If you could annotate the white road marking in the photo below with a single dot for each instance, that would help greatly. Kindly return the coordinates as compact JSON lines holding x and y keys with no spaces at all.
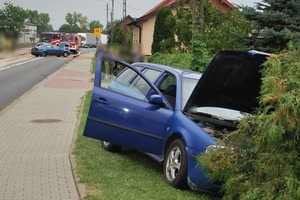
{"x":20,"y":63}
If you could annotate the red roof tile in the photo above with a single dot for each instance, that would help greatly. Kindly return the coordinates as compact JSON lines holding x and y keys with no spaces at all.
{"x":166,"y":3}
{"x":228,"y":4}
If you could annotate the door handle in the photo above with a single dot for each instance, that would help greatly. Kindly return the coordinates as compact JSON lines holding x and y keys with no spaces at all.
{"x":102,"y":101}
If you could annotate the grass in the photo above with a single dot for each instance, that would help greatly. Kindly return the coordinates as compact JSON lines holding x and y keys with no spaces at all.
{"x":93,"y":68}
{"x":128,"y":175}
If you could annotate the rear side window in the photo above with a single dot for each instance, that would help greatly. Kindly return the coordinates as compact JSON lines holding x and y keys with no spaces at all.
{"x":151,"y":74}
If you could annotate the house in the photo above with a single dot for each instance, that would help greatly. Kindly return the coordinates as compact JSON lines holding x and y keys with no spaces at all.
{"x":28,"y":34}
{"x":143,"y":27}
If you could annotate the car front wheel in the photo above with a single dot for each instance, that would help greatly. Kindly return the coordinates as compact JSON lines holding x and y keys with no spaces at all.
{"x":175,"y":165}
{"x":110,"y":147}
{"x":65,"y":54}
{"x":44,"y":54}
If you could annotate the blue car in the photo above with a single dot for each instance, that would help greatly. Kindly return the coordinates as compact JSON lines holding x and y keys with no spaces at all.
{"x":173,"y":115}
{"x":45,"y":49}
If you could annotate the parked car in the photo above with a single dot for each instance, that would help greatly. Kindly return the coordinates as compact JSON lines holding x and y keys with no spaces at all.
{"x":45,"y":49}
{"x":174,"y":115}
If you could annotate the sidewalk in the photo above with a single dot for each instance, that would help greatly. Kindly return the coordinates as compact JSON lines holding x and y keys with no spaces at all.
{"x":17,"y":52}
{"x":17,"y":56}
{"x":36,"y":135}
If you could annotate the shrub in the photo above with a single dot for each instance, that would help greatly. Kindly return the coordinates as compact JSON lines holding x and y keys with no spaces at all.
{"x":180,"y":60}
{"x":262,"y":158}
{"x":164,"y":31}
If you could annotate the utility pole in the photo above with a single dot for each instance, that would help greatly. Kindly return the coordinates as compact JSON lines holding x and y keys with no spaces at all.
{"x":124,"y":9}
{"x":111,"y":22}
{"x":124,"y":21}
{"x":106,"y":14}
{"x":112,"y":9}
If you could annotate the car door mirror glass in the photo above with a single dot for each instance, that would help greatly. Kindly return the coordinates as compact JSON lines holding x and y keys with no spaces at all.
{"x":156,"y":99}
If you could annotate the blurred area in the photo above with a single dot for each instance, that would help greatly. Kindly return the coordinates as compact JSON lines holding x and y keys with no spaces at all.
{"x":12,"y":50}
{"x":7,"y":43}
{"x":125,"y":53}
{"x":10,"y":43}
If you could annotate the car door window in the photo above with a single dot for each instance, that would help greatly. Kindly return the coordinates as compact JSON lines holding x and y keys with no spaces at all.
{"x":124,"y":80}
{"x":168,"y":88}
{"x":151,"y":74}
{"x":141,"y":84}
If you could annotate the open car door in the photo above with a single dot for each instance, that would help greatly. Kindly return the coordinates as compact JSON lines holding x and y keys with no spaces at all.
{"x":120,"y":111}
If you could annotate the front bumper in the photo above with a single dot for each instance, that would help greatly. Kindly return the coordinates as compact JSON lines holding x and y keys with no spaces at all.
{"x":197,"y":179}
{"x":36,"y":53}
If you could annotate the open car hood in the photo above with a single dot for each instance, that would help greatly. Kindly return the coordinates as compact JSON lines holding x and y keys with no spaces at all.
{"x":232,"y":80}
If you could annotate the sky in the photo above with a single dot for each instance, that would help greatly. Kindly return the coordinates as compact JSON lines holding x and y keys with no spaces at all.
{"x":93,"y":9}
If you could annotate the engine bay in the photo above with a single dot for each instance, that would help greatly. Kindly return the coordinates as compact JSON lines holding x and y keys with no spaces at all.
{"x":218,"y":128}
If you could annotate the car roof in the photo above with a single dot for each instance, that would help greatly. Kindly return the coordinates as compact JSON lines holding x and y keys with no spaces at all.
{"x":174,"y":70}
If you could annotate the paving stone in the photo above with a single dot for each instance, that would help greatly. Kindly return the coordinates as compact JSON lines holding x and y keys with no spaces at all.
{"x":36,"y":134}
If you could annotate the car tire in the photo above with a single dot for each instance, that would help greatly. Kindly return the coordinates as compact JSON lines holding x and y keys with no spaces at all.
{"x":110,"y":147}
{"x":65,"y":54}
{"x":175,"y":165}
{"x":36,"y":55}
{"x":58,"y":55}
{"x":44,"y":54}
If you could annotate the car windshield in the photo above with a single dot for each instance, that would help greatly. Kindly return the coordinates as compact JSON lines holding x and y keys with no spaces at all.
{"x":188,"y":85}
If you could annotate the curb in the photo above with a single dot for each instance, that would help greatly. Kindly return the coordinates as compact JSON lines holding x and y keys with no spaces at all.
{"x":79,"y":186}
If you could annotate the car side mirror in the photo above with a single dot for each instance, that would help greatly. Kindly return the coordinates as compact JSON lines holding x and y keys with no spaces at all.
{"x":156,"y":99}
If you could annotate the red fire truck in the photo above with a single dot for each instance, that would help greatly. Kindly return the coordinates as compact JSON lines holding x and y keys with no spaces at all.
{"x":57,"y":37}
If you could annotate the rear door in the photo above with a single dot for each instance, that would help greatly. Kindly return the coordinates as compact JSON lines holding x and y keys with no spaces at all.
{"x":50,"y":49}
{"x":120,"y":112}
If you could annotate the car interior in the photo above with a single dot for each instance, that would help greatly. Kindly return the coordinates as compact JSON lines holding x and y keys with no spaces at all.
{"x":168,"y":88}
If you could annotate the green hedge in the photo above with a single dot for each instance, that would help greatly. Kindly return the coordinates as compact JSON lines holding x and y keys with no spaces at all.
{"x":180,"y":60}
{"x":262,"y":158}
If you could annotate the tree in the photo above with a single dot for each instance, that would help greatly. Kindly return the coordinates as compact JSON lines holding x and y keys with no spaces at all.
{"x":42,"y":20}
{"x":183,"y":25}
{"x":224,"y":30}
{"x":83,"y":22}
{"x":221,"y":30}
{"x":118,"y":36}
{"x":65,"y":28}
{"x":277,"y":21}
{"x":44,"y":23}
{"x":75,"y":22}
{"x":12,"y":19}
{"x":164,"y":31}
{"x":261,"y":159}
{"x":94,"y":24}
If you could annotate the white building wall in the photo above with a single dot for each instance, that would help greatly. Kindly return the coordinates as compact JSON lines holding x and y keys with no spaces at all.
{"x":28,"y":34}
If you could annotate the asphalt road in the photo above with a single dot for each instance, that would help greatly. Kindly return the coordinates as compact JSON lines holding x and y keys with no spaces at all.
{"x":17,"y":78}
